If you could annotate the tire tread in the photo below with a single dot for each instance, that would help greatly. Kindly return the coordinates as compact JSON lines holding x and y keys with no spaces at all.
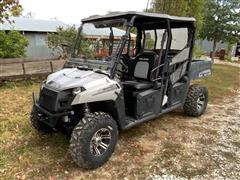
{"x":190,"y":105}
{"x":78,"y":142}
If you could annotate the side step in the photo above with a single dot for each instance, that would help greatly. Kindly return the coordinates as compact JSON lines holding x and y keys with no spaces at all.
{"x":131,"y":122}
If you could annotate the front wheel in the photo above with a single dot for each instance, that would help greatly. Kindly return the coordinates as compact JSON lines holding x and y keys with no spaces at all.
{"x":196,"y":101}
{"x":37,"y":124}
{"x":93,"y":140}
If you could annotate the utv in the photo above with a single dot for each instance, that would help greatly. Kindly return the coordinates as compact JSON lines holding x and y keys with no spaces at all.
{"x":125,"y":69}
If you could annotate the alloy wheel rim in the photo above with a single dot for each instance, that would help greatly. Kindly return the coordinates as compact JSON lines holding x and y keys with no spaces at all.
{"x":200,"y":102}
{"x":100,"y":142}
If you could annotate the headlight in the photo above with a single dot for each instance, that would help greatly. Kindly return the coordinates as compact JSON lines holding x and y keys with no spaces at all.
{"x":78,"y":90}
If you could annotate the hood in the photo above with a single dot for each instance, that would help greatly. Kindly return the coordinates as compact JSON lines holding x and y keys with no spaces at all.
{"x":70,"y":78}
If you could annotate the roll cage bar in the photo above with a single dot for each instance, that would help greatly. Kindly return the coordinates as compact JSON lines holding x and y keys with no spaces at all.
{"x":164,"y":24}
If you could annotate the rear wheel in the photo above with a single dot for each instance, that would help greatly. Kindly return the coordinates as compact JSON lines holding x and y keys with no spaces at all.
{"x":93,"y":140}
{"x":196,"y":101}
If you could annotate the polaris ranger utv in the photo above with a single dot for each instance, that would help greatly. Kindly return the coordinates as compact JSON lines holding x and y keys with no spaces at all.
{"x":117,"y":79}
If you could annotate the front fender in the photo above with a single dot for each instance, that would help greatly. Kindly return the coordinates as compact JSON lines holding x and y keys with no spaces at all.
{"x":109,"y":90}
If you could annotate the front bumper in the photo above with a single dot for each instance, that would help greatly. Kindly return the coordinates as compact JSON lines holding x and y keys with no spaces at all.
{"x":47,"y":117}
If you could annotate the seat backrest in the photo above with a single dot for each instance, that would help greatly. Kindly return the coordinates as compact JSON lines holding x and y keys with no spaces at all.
{"x":144,"y":63}
{"x":181,"y":61}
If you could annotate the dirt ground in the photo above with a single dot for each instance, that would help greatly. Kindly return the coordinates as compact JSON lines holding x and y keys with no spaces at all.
{"x":176,"y":147}
{"x":173,"y":146}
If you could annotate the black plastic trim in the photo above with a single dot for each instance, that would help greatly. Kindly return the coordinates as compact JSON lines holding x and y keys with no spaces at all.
{"x":50,"y":118}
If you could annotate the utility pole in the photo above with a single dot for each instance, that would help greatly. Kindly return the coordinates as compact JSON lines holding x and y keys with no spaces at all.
{"x":147,"y":4}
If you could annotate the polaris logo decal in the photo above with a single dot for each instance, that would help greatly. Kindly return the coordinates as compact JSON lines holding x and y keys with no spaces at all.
{"x":144,"y":59}
{"x":205,"y":73}
{"x":106,"y":89}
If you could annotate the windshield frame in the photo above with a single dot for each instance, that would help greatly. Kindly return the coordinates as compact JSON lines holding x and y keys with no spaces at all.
{"x":98,"y":24}
{"x":114,"y":57}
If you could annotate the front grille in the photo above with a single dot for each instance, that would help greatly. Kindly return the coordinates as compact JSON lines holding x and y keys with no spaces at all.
{"x":55,"y":101}
{"x":48,"y":99}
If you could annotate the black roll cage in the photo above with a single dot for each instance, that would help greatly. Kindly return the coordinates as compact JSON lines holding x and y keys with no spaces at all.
{"x":129,"y":23}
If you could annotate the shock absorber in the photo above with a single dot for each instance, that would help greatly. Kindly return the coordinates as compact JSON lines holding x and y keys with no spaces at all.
{"x":86,"y":108}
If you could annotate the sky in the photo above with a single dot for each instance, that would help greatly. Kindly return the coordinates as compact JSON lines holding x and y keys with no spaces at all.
{"x":72,"y":11}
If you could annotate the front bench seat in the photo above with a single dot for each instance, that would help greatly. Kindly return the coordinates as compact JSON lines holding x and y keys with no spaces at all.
{"x":144,"y":63}
{"x":137,"y":85}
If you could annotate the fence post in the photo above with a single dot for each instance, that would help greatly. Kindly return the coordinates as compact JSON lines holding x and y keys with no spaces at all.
{"x":51,"y":65}
{"x":24,"y":70}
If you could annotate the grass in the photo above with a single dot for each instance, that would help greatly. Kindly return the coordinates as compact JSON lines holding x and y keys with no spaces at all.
{"x":223,"y":80}
{"x":26,"y":154}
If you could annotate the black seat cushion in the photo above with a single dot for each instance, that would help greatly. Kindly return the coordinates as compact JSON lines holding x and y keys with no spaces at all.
{"x":146,"y":56}
{"x":137,"y":85}
{"x":141,"y":83}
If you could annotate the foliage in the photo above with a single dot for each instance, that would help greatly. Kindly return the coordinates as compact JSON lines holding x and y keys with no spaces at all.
{"x":149,"y":42}
{"x":197,"y":51}
{"x":8,"y":8}
{"x":63,"y":42}
{"x":12,"y":44}
{"x":16,"y":11}
{"x":87,"y":50}
{"x":193,"y":8}
{"x":221,"y":21}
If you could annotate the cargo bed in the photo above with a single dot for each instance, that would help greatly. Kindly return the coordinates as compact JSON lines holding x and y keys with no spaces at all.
{"x":200,"y":69}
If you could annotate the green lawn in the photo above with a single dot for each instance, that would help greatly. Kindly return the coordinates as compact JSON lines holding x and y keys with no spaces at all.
{"x":25,"y":154}
{"x":223,"y":81}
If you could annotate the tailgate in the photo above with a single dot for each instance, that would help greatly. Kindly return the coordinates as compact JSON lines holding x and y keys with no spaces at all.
{"x":200,"y":68}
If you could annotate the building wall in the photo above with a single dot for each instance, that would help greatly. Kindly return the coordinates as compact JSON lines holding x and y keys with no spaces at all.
{"x":179,"y":38}
{"x":207,"y":46}
{"x":38,"y":46}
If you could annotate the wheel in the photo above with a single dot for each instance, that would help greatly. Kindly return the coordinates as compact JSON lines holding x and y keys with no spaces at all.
{"x":196,"y":101}
{"x":38,"y":125}
{"x":93,"y":140}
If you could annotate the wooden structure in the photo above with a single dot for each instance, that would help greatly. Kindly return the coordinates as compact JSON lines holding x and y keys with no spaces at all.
{"x":23,"y":70}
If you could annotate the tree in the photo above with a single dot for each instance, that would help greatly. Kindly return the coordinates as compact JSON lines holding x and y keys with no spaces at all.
{"x":8,"y":8}
{"x":12,"y":44}
{"x":16,"y":11}
{"x":233,"y":25}
{"x":193,"y":8}
{"x":149,"y":41}
{"x":221,"y":22}
{"x":63,"y":41}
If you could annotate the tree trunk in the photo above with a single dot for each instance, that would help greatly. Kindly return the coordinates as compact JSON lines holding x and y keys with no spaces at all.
{"x":229,"y":50}
{"x":213,"y":50}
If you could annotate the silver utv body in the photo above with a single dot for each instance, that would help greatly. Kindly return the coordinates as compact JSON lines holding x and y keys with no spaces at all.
{"x":158,"y":83}
{"x":87,"y":86}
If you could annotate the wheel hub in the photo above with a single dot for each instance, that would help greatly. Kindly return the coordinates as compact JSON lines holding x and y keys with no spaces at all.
{"x":100,"y":142}
{"x":200,"y":101}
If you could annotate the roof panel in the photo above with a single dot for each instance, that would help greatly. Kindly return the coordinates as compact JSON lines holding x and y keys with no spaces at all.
{"x":129,"y":14}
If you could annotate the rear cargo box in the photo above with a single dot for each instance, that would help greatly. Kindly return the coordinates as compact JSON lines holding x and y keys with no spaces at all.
{"x":200,"y":68}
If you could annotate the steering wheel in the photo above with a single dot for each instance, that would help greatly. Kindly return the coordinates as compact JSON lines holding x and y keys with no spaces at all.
{"x":124,"y":68}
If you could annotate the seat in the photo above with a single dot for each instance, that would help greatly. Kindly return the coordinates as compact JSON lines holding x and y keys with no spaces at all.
{"x":143,"y":66}
{"x":137,"y":85}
